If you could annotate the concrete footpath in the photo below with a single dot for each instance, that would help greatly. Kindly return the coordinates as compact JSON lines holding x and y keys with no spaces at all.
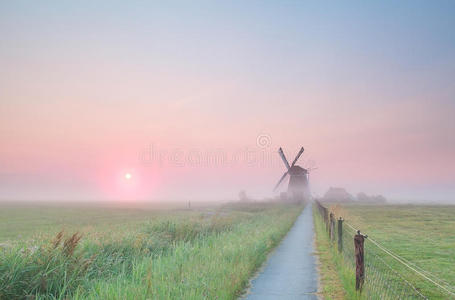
{"x":290,"y":272}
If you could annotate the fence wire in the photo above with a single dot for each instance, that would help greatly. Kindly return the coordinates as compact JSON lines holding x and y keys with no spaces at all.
{"x":384,"y":279}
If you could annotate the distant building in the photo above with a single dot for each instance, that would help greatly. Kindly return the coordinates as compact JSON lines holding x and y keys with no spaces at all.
{"x":336,"y":194}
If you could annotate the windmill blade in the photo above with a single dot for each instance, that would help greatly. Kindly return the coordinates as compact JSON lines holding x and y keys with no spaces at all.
{"x":281,"y":179}
{"x":297,"y":157}
{"x":283,"y":157}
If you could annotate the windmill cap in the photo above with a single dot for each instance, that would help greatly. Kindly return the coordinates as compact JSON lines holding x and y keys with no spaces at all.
{"x":297,"y":170}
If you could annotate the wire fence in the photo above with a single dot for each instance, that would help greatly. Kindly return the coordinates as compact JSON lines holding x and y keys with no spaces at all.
{"x":380,"y":273}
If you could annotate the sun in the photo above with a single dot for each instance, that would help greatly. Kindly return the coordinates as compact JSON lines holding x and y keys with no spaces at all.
{"x":128,"y":176}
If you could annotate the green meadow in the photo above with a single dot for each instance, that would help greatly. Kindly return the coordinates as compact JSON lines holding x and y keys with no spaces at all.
{"x":421,"y":235}
{"x":103,"y":252}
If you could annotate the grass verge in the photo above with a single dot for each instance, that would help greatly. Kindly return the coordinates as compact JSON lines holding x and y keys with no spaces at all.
{"x":337,"y":278}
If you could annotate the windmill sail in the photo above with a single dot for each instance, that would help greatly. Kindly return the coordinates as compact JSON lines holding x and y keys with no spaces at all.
{"x":283,"y":157}
{"x":281,"y":179}
{"x":297,"y":157}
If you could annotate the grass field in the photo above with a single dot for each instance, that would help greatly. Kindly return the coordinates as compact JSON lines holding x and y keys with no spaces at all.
{"x":422,"y":235}
{"x":136,"y":253}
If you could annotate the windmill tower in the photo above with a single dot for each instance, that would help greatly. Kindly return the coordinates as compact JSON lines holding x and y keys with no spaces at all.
{"x":298,"y":189}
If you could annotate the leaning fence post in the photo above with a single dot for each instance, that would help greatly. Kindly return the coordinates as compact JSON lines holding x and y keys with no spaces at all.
{"x":326,"y":219}
{"x":332,"y":227}
{"x":340,"y":234}
{"x":359,"y":261}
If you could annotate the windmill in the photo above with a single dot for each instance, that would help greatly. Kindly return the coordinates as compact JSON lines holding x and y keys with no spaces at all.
{"x":298,"y":178}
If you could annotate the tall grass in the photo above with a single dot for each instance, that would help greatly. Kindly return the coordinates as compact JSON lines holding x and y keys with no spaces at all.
{"x":176,"y":257}
{"x":52,"y":269}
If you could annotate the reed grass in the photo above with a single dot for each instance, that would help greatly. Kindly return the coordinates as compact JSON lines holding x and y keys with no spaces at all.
{"x":175,"y":255}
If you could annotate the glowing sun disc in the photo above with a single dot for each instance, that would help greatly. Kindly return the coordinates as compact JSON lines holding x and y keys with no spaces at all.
{"x":128,"y":176}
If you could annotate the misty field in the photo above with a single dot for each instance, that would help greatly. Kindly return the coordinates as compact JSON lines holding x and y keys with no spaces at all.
{"x":101,"y":252}
{"x":422,"y":236}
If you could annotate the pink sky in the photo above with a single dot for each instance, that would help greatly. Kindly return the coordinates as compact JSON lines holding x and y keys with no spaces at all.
{"x":81,"y":101}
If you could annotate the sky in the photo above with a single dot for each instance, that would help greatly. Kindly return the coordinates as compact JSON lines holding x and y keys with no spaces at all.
{"x":194,"y":98}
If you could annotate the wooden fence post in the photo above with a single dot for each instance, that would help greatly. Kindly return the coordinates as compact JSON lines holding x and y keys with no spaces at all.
{"x":359,"y":261}
{"x":332,"y":227}
{"x":340,"y":235}
{"x":326,"y":219}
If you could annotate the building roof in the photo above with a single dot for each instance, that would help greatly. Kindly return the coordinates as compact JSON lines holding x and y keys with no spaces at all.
{"x":297,"y":170}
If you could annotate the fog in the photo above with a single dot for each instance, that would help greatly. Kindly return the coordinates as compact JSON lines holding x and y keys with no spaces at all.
{"x":194,"y":103}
